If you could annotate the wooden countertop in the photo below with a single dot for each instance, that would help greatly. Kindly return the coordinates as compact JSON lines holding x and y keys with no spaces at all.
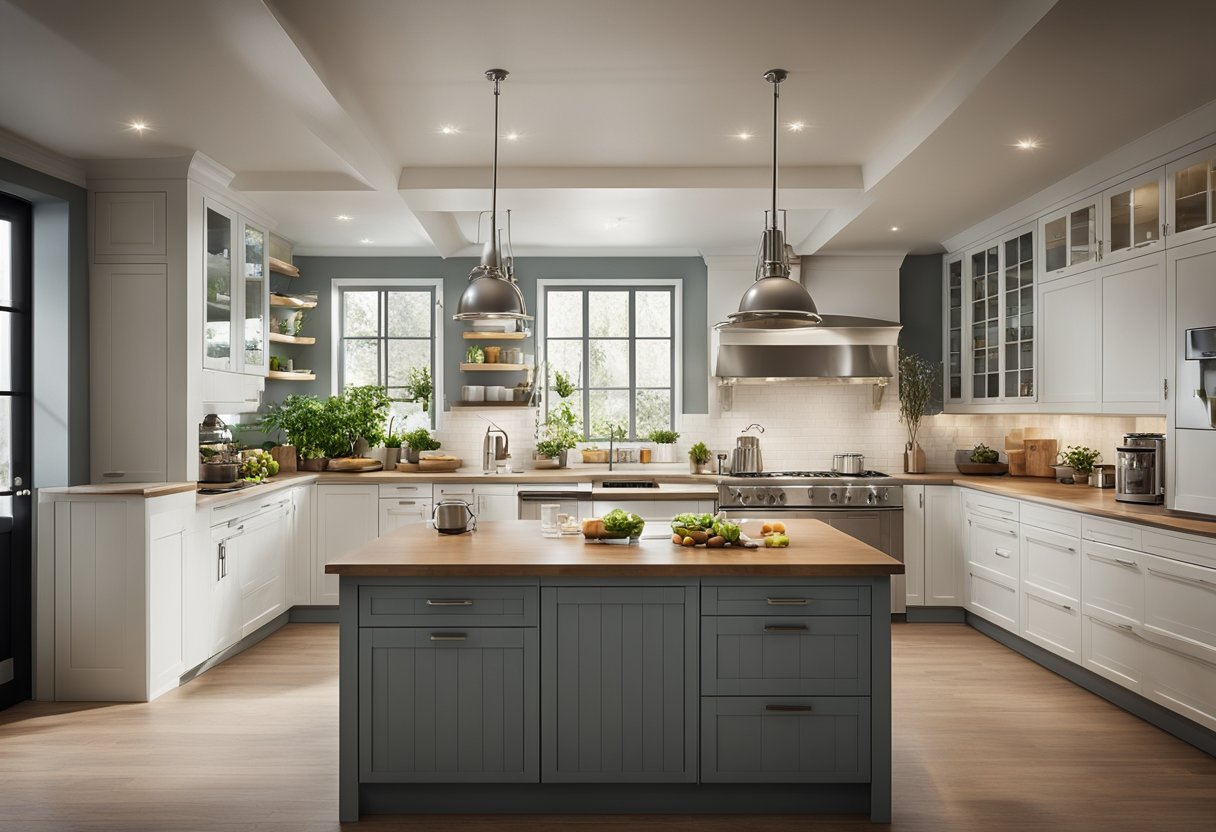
{"x":123,"y":489}
{"x":514,"y":548}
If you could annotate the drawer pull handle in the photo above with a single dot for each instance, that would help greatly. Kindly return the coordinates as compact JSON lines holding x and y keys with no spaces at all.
{"x":407,"y":502}
{"x":1002,"y":553}
{"x":1125,"y":561}
{"x":1127,"y":627}
{"x":785,"y":602}
{"x":449,"y":602}
{"x":784,"y":628}
{"x":1186,"y":579}
{"x":788,"y":709}
{"x":449,"y":636}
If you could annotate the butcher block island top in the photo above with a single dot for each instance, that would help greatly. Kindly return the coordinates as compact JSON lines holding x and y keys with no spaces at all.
{"x":515,"y":548}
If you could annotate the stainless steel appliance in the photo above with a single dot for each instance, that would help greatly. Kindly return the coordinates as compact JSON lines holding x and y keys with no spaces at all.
{"x":496,"y":446}
{"x":867,"y":506}
{"x":747,"y":458}
{"x":454,"y":517}
{"x":851,"y":464}
{"x":1140,"y":468}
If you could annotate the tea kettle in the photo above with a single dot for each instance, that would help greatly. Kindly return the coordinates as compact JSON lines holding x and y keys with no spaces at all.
{"x":747,"y":458}
{"x":453,"y":517}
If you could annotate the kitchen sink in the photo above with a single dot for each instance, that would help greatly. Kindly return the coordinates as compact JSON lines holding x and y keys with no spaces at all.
{"x":629,"y":484}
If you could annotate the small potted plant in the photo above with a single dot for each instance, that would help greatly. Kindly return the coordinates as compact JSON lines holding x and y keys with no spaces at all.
{"x":475,"y":355}
{"x":417,"y":441}
{"x":918,"y":381}
{"x":1081,"y":460}
{"x":664,"y":444}
{"x":304,"y":423}
{"x":698,"y":459}
{"x":556,"y":436}
{"x":419,"y":387}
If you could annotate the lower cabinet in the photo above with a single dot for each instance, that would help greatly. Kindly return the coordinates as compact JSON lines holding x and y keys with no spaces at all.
{"x":992,"y":570}
{"x":448,"y":705}
{"x":754,"y":739}
{"x":619,"y":684}
{"x":261,"y":566}
{"x":1051,"y":591}
{"x":396,"y":512}
{"x":347,"y":516}
{"x":793,"y":656}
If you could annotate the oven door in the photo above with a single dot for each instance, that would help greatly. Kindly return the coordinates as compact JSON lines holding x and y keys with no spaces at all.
{"x":882,"y":528}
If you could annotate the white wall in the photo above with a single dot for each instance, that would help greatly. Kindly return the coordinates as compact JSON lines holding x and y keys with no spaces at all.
{"x":864,"y":285}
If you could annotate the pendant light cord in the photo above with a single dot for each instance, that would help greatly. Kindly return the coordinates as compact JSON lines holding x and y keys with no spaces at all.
{"x":776,"y":96}
{"x":494,"y":183}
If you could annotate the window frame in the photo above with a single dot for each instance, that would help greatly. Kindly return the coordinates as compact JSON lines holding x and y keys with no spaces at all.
{"x":387,"y":284}
{"x":632,"y":286}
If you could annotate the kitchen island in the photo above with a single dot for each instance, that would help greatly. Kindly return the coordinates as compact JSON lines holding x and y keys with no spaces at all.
{"x":500,"y":671}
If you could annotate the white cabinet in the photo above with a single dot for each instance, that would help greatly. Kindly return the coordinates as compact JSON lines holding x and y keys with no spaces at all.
{"x":1070,"y":334}
{"x":490,"y":502}
{"x":1192,"y":297}
{"x":1051,"y":591}
{"x":236,"y":296}
{"x":954,"y":315}
{"x":1133,"y":217}
{"x":261,"y":564}
{"x":395,"y":513}
{"x":129,"y":373}
{"x":992,"y":569}
{"x":1191,"y":197}
{"x":943,"y":547}
{"x":299,"y":555}
{"x":1069,"y":238}
{"x":914,"y":545}
{"x":128,"y":225}
{"x":1134,"y":340}
{"x":347,"y":517}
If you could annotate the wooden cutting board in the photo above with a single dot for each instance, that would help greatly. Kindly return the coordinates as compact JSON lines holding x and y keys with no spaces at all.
{"x":1040,"y":456}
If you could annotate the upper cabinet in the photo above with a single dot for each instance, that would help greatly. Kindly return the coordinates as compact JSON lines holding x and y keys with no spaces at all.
{"x":1069,"y":238}
{"x":954,"y":330}
{"x":1191,"y":197}
{"x":985,"y":350}
{"x":1017,"y":308}
{"x":234,"y":321}
{"x":1134,"y":217}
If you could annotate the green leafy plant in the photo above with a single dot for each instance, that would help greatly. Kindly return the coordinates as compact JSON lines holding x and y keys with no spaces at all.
{"x":303,"y":421}
{"x":283,"y":325}
{"x":982,"y":453}
{"x":663,"y":437}
{"x":1080,"y":458}
{"x":619,"y":521}
{"x":420,"y":440}
{"x":393,"y":440}
{"x":562,"y":385}
{"x":419,"y":386}
{"x":699,"y":453}
{"x":362,"y":413}
{"x":297,"y":323}
{"x":559,"y":431}
{"x":918,"y":380}
{"x":475,"y":355}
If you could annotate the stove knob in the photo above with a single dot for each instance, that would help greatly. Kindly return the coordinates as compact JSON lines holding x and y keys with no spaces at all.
{"x":810,"y":494}
{"x":761,"y":494}
{"x":848,"y":495}
{"x":834,"y":496}
{"x":884,"y":494}
{"x":781,"y":497}
{"x":871,"y":498}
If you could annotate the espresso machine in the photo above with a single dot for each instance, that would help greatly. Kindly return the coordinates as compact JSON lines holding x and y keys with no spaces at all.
{"x":1140,"y":468}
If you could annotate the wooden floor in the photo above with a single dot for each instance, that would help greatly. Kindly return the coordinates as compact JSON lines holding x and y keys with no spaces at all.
{"x":984,"y":740}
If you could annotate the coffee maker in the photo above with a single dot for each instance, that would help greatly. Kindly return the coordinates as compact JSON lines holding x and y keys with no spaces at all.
{"x":1140,"y":468}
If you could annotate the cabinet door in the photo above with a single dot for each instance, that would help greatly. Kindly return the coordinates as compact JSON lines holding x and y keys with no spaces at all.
{"x":752,"y":655}
{"x":347,"y":517}
{"x":129,"y":390}
{"x":299,"y":556}
{"x":492,"y":507}
{"x":1112,"y":650}
{"x":448,"y":706}
{"x":914,"y":545}
{"x":1070,"y":334}
{"x":985,"y":308}
{"x":128,"y":224}
{"x":1180,"y":607}
{"x":1191,"y":197}
{"x":397,"y":513}
{"x":1133,"y":217}
{"x":1181,"y":683}
{"x":262,"y":567}
{"x":220,"y":301}
{"x":1017,"y":318}
{"x":953,"y":348}
{"x":226,"y":597}
{"x":1134,"y":341}
{"x":943,"y":553}
{"x":619,"y":684}
{"x":255,"y":300}
{"x":1068,"y":238}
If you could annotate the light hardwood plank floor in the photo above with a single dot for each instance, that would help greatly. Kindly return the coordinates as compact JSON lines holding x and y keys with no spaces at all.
{"x":984,"y":740}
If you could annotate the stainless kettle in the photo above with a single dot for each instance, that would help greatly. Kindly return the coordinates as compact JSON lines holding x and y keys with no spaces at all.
{"x":453,"y":517}
{"x":747,"y":458}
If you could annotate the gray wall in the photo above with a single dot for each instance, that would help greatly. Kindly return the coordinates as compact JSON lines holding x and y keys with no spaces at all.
{"x":920,"y":309}
{"x":61,"y":323}
{"x":316,"y":273}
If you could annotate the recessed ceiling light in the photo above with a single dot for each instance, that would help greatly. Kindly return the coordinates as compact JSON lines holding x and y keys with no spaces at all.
{"x":1028,"y":144}
{"x":895,"y":228}
{"x":449,"y":130}
{"x":343,"y":218}
{"x":139,"y":125}
{"x":511,"y":137}
{"x":365,"y":240}
{"x":743,"y":135}
{"x":796,"y":126}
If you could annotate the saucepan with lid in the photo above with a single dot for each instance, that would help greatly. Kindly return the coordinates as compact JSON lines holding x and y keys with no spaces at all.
{"x":848,"y":463}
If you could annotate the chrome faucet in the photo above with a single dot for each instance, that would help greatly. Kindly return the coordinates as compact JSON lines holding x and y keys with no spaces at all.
{"x":494,"y":447}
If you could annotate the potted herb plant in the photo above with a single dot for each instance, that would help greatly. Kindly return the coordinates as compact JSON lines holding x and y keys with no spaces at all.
{"x":358,"y":417}
{"x":698,"y":459}
{"x":1081,"y":460}
{"x":664,"y":444}
{"x":557,"y":435}
{"x":305,"y":425}
{"x":918,"y":381}
{"x":419,"y":387}
{"x":416,"y":441}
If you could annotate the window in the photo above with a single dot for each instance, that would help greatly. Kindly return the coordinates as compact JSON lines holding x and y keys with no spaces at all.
{"x":386,"y":329}
{"x":620,"y":347}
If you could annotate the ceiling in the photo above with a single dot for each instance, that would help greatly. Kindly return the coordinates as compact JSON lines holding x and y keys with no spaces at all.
{"x":626,"y":114}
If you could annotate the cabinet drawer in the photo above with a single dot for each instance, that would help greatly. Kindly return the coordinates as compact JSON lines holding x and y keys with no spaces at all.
{"x":1180,"y":606}
{"x":406,"y":490}
{"x":1113,"y":583}
{"x":1196,"y":550}
{"x":462,"y":491}
{"x":990,"y":505}
{"x":1113,"y":651}
{"x":1051,"y":563}
{"x":785,"y":600}
{"x":440,"y":606}
{"x":1108,"y":531}
{"x":785,"y":656}
{"x":1052,"y":624}
{"x":993,"y":598}
{"x":993,"y":544}
{"x":1180,"y":683}
{"x":785,"y":740}
{"x":448,"y":707}
{"x":1052,"y":519}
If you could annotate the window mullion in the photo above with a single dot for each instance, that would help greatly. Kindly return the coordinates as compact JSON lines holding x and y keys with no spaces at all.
{"x":586,"y":379}
{"x":631,"y":332}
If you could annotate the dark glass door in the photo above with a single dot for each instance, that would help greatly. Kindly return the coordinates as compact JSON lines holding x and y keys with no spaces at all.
{"x":15,"y":445}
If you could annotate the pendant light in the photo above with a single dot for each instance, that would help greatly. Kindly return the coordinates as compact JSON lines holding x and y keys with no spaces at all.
{"x":774,"y":301}
{"x":492,"y":293}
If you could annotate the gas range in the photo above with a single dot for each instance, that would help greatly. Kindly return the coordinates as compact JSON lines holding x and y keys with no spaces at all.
{"x":791,"y":490}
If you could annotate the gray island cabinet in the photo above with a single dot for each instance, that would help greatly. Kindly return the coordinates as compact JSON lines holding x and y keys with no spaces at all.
{"x":503,"y":672}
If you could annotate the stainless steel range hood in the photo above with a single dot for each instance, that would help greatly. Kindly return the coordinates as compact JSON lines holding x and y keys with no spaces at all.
{"x":841,"y":347}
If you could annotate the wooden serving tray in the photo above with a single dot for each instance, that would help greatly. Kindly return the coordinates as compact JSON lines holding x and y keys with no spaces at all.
{"x":354,"y":465}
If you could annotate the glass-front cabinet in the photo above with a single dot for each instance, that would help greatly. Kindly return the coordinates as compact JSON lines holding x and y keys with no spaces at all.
{"x":1070,"y":241}
{"x":954,"y":330}
{"x":236,"y":297}
{"x":985,"y":347}
{"x":1017,"y":306}
{"x":1134,"y":216}
{"x":1191,"y":197}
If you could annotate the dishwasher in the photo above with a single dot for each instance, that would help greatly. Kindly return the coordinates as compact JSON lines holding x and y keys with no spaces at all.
{"x":570,"y":499}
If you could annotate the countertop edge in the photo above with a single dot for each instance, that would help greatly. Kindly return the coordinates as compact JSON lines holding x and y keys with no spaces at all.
{"x":572,"y":570}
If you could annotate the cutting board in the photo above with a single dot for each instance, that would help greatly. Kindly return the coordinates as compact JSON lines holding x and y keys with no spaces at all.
{"x":1040,"y":456}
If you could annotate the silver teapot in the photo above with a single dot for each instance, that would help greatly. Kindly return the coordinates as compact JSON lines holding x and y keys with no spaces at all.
{"x":453,"y":517}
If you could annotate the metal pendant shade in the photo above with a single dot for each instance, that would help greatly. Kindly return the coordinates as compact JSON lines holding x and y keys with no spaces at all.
{"x":491,"y":293}
{"x":775,"y":301}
